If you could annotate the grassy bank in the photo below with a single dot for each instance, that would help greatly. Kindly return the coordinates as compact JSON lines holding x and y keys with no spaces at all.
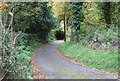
{"x":99,"y":59}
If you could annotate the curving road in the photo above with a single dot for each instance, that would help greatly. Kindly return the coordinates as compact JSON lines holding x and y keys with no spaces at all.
{"x":55,"y":67}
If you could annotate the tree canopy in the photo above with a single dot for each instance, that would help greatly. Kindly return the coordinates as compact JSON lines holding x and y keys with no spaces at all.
{"x":34,"y":18}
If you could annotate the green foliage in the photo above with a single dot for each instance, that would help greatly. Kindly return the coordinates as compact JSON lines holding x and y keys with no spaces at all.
{"x":105,"y":39}
{"x":109,"y":35}
{"x":34,"y":18}
{"x":114,"y":12}
{"x":24,"y":53}
{"x":76,"y":20}
{"x":94,"y":21}
{"x":22,"y":39}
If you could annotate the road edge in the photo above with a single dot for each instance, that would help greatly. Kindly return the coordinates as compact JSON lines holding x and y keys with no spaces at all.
{"x":37,"y":74}
{"x":75,"y":62}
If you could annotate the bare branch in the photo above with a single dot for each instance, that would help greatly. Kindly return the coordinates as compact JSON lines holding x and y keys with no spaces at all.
{"x":16,"y":37}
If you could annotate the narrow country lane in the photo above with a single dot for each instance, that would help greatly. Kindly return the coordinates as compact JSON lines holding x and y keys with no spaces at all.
{"x":55,"y":67}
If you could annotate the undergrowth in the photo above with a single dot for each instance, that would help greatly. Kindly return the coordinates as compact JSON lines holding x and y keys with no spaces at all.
{"x":101,"y":52}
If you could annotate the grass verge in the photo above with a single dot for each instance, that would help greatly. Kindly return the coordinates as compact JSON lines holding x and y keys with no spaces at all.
{"x":99,"y":59}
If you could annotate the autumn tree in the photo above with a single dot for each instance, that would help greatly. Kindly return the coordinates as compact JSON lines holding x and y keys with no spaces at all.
{"x":61,"y":12}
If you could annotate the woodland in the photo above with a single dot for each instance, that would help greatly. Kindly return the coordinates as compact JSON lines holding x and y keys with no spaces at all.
{"x":92,"y":27}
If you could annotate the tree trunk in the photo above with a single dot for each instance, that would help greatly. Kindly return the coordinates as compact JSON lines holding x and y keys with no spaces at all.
{"x":77,"y":34}
{"x":77,"y":38}
{"x":76,"y":20}
{"x":73,"y":34}
{"x":107,"y":14}
{"x":64,"y":25}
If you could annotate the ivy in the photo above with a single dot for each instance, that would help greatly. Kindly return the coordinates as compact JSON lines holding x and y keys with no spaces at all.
{"x":76,"y":19}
